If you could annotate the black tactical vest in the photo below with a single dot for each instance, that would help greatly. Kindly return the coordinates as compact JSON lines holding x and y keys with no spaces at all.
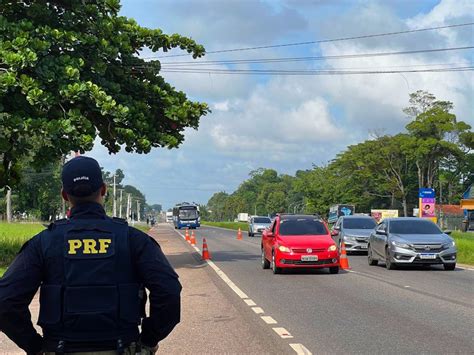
{"x":90,"y":291}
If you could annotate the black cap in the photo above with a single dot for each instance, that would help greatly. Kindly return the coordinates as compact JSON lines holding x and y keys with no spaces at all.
{"x":81,"y":176}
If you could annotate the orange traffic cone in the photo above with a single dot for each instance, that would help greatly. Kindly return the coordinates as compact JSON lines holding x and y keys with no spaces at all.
{"x":186,"y":235}
{"x":205,"y":252}
{"x":343,"y":261}
{"x":239,"y":235}
{"x":193,"y":239}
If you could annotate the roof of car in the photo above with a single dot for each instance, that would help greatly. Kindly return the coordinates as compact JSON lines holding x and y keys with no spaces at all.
{"x":406,"y":219}
{"x":298,"y":216}
{"x":358,"y":216}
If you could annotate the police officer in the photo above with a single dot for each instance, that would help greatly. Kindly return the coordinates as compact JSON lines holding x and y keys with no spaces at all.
{"x":91,"y":270}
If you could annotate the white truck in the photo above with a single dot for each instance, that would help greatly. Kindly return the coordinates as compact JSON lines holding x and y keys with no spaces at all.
{"x":243,"y":217}
{"x":169,"y":216}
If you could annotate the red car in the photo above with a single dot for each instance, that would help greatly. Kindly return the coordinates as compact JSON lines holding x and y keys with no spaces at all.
{"x":299,"y":241}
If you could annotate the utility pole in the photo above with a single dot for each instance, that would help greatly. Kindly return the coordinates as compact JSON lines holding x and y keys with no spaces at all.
{"x":63,"y":201}
{"x":138,"y":211}
{"x":9,"y":203}
{"x":120,"y":203}
{"x":115,"y":200}
{"x":128,"y":207}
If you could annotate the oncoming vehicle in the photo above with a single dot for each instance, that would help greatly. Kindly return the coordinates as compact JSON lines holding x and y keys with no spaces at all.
{"x":354,"y":231}
{"x":169,"y":216}
{"x":402,"y":241}
{"x":298,"y":241}
{"x":186,"y":215}
{"x":257,"y":224}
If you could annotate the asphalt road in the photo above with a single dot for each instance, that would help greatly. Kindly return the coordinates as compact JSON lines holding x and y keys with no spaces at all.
{"x":367,"y":310}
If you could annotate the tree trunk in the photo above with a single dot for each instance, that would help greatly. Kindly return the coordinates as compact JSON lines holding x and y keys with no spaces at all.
{"x":405,"y":207}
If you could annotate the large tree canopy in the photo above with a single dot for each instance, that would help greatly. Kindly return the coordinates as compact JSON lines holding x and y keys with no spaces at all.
{"x":70,"y":71}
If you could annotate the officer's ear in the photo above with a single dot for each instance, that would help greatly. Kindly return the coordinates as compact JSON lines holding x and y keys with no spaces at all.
{"x":103,"y":190}
{"x":64,"y":195}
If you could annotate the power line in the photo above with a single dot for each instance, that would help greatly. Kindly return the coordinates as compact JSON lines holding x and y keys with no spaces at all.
{"x":312,"y":72}
{"x":321,"y":41}
{"x":308,"y":58}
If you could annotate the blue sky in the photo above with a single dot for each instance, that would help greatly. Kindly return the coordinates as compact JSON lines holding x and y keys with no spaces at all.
{"x":291,"y":122}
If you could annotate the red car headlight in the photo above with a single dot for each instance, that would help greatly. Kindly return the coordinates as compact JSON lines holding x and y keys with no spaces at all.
{"x":284,"y":249}
{"x":332,"y":248}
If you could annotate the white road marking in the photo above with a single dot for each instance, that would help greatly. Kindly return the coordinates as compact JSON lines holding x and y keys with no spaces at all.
{"x":269,"y":320}
{"x":226,"y":279}
{"x":300,"y":349}
{"x":250,"y":302}
{"x":283,"y":333}
{"x":406,"y":286}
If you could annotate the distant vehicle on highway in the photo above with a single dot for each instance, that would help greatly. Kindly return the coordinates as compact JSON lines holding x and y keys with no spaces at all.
{"x":337,"y":211}
{"x":242,"y":217}
{"x":257,"y":224}
{"x":169,"y":216}
{"x":186,"y":215}
{"x":408,"y":240}
{"x":354,"y":231}
{"x":298,"y":241}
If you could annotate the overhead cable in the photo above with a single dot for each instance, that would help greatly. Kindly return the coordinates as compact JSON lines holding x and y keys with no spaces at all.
{"x":321,"y":40}
{"x":308,"y":58}
{"x":312,"y":72}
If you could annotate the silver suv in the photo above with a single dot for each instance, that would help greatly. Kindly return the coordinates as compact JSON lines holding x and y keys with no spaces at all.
{"x":402,"y":241}
{"x":354,"y":231}
{"x":257,"y":224}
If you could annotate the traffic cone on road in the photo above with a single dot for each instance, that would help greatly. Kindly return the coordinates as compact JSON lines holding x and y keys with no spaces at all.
{"x":343,"y":261}
{"x":186,"y":235}
{"x":205,"y":252}
{"x":193,"y":239}
{"x":239,"y":235}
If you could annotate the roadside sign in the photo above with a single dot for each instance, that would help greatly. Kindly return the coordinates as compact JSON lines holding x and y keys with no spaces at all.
{"x":427,"y":203}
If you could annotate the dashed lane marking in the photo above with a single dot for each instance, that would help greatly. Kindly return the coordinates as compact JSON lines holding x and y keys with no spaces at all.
{"x":269,"y":320}
{"x":282,"y":332}
{"x":250,"y":302}
{"x":300,"y":349}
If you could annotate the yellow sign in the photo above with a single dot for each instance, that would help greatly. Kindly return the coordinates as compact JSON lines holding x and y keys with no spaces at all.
{"x":89,"y":246}
{"x":382,"y":214}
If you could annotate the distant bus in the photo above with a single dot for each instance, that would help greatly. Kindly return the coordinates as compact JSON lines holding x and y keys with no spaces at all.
{"x":186,"y":215}
{"x":169,"y":216}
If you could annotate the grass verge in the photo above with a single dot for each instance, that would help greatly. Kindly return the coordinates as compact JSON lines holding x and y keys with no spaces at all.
{"x":465,"y":245}
{"x":229,"y":225}
{"x":12,"y":237}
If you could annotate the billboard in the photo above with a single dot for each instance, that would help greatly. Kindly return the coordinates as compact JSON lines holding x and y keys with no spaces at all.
{"x":381,"y":214}
{"x":427,"y":203}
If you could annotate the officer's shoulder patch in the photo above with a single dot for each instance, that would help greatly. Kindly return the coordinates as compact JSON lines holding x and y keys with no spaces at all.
{"x":119,"y":220}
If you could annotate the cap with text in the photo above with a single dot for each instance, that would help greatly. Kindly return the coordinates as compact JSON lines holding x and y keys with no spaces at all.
{"x":81,"y":176}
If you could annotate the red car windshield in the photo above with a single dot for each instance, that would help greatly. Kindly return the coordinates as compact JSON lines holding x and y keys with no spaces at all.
{"x":302,"y":226}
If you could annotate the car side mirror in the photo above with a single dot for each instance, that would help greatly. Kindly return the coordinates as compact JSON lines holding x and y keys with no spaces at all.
{"x":337,"y":228}
{"x":270,"y":234}
{"x":381,"y":232}
{"x":448,"y":231}
{"x":334,"y":232}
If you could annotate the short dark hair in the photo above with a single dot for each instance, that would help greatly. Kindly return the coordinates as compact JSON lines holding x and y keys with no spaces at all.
{"x":75,"y":200}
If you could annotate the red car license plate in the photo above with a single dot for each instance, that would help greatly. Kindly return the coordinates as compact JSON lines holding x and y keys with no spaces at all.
{"x":309,"y":258}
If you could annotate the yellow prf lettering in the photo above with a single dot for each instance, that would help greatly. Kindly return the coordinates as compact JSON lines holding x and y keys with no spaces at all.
{"x":89,"y":246}
{"x":103,"y":245}
{"x":74,"y":244}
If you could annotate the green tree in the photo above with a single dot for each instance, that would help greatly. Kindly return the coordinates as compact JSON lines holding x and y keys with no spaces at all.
{"x":435,"y":136}
{"x":69,"y":72}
